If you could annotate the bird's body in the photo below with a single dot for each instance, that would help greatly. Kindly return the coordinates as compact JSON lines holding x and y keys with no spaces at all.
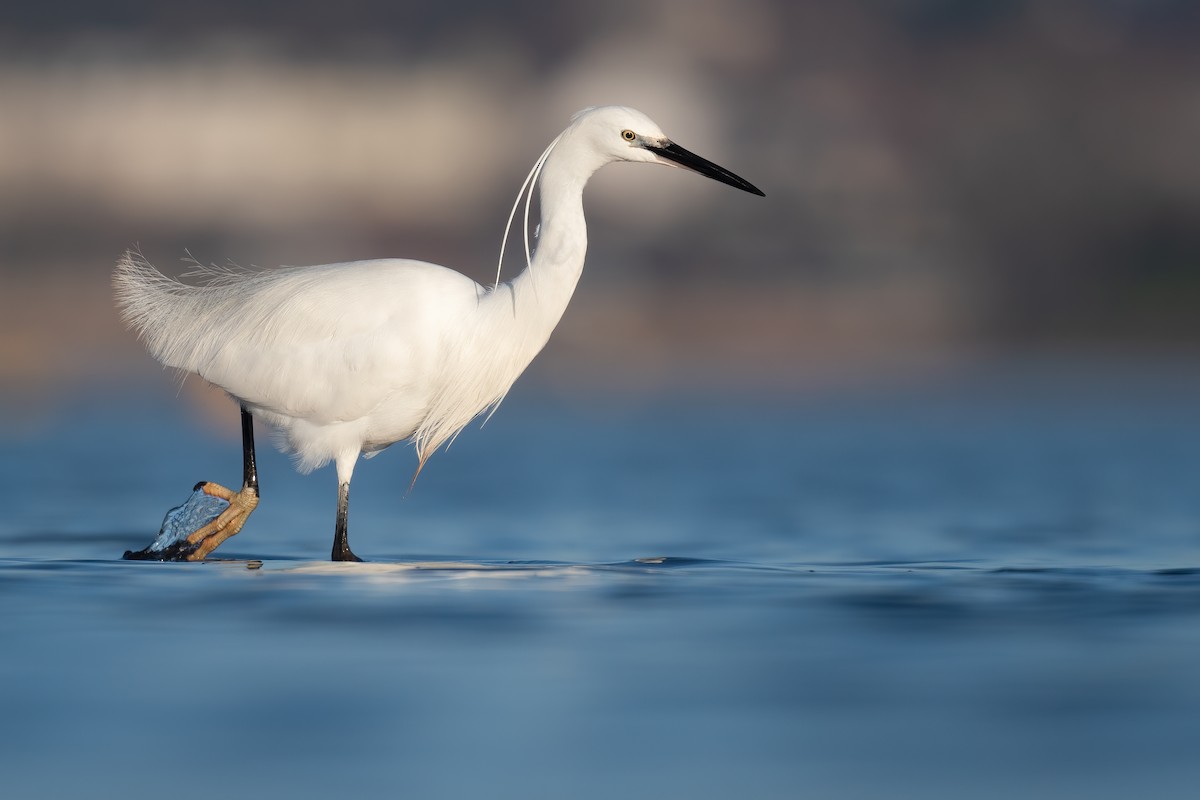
{"x":359,"y":374}
{"x":347,"y":359}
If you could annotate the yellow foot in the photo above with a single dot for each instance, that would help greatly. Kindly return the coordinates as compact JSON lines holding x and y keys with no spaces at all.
{"x":227,"y":524}
{"x":216,"y":523}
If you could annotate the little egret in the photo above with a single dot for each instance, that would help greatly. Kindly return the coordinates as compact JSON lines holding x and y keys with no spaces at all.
{"x":343,"y":360}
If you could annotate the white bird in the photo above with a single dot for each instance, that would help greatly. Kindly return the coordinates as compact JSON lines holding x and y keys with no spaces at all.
{"x":343,"y":360}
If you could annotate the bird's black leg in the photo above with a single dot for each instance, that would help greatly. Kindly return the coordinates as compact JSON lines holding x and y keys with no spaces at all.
{"x":341,"y":544}
{"x":249,"y":468}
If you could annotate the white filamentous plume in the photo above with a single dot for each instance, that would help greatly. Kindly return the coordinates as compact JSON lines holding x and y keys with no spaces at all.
{"x":346,"y":359}
{"x":526,"y":191}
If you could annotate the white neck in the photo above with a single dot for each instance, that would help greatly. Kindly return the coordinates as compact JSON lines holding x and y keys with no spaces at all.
{"x":514,"y":320}
{"x":536,"y":299}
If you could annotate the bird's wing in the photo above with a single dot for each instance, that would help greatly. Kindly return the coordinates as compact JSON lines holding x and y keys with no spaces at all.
{"x":335,"y":343}
{"x":326,"y":343}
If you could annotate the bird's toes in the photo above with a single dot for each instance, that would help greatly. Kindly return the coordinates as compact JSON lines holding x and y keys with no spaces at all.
{"x":185,"y":528}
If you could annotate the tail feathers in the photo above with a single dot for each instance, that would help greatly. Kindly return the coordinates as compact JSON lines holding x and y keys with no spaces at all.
{"x":139,"y":290}
{"x":158,"y":308}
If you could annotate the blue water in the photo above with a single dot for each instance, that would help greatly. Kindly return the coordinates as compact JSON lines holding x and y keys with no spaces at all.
{"x":982,"y":586}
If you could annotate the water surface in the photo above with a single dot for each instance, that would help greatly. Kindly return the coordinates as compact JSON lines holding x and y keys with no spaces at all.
{"x":987,"y":588}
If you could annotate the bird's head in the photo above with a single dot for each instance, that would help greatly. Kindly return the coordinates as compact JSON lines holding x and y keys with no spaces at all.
{"x":619,"y":133}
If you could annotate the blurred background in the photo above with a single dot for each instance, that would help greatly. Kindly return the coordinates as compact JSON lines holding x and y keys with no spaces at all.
{"x":946,"y":181}
{"x":917,"y":430}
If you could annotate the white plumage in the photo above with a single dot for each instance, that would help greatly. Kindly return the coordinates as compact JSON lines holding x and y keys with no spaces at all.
{"x":347,"y":359}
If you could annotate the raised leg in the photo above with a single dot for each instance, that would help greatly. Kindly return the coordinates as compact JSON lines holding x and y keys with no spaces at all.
{"x":341,"y":543}
{"x":231,"y":520}
{"x":215,"y":522}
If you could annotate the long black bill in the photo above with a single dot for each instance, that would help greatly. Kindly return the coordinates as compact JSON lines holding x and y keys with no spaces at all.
{"x":688,"y":159}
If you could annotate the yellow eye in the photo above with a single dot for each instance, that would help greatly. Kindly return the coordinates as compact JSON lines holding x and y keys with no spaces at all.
{"x":628,"y":135}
